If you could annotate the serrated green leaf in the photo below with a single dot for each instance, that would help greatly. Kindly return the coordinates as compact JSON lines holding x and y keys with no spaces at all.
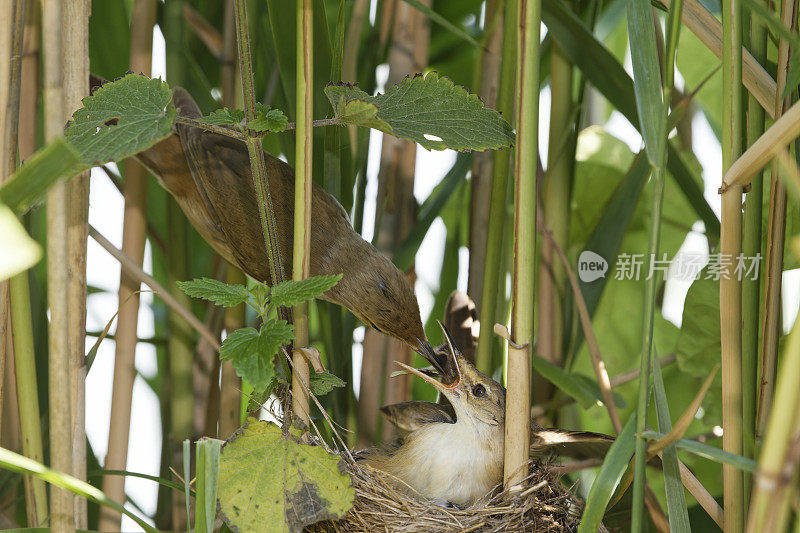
{"x":238,"y":344}
{"x":289,"y":293}
{"x":324,"y":382}
{"x":273,"y":481}
{"x":251,"y":352}
{"x":216,"y":291}
{"x":274,"y":332}
{"x":268,"y":119}
{"x":32,"y":180}
{"x":362,"y":113}
{"x":20,"y":252}
{"x":429,"y":110}
{"x":122,"y":118}
{"x":224,"y":117}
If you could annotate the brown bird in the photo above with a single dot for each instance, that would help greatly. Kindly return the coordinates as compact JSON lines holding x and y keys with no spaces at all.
{"x":209,"y":176}
{"x":453,"y":454}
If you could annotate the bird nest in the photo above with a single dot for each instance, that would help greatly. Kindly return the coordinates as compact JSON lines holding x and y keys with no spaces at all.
{"x":381,"y":504}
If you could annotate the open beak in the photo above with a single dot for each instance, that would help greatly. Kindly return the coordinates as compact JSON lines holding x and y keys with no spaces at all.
{"x":444,"y":362}
{"x":438,"y":385}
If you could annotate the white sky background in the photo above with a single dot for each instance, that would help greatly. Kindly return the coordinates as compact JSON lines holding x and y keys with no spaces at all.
{"x":105,"y":214}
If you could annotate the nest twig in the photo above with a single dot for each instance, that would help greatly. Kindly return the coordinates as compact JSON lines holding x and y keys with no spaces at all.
{"x":382,"y":504}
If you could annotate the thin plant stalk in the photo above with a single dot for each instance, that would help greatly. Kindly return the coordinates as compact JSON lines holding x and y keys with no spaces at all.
{"x":301,"y":258}
{"x":770,"y":481}
{"x":491,"y":59}
{"x":730,"y":286}
{"x":555,"y":204}
{"x":60,"y":411}
{"x":518,"y":399}
{"x":776,"y":233}
{"x":134,"y":228}
{"x":18,"y":295}
{"x":751,"y":247}
{"x":641,"y":491}
{"x":28,"y":398}
{"x":492,"y":284}
{"x":76,"y":86}
{"x":257,"y":162}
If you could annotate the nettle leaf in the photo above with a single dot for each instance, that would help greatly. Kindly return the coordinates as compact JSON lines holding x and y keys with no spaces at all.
{"x":324,"y":382}
{"x":274,"y":481}
{"x":429,"y":110}
{"x":268,"y":119}
{"x":289,"y":293}
{"x":251,"y":351}
{"x":224,"y":117}
{"x":121,"y":118}
{"x":216,"y":291}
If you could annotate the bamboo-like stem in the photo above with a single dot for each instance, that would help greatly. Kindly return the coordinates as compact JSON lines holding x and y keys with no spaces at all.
{"x":776,"y":232}
{"x":302,"y":198}
{"x":257,"y":162}
{"x":76,"y":76}
{"x":766,"y":148}
{"x":730,"y":287}
{"x":517,"y":427}
{"x":751,"y":247}
{"x":555,"y":204}
{"x":134,"y":230}
{"x":15,"y":297}
{"x":28,"y":399}
{"x":770,"y":481}
{"x":492,"y":283}
{"x":647,"y":340}
{"x":61,"y":501}
{"x":709,"y":30}
{"x":76,"y":86}
{"x":491,"y":59}
{"x":132,"y":269}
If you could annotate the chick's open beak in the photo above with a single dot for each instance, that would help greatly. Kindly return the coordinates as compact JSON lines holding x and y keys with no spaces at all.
{"x":438,"y":385}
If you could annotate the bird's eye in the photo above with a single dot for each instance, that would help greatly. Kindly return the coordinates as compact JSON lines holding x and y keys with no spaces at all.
{"x":478,"y":391}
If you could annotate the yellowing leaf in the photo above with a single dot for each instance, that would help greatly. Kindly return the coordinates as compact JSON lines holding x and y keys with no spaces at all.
{"x":271,"y":482}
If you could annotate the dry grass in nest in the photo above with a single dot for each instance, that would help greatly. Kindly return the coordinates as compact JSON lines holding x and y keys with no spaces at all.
{"x":542,"y":505}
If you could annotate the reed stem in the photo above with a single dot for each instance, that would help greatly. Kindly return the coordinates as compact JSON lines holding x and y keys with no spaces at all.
{"x":134,"y":229}
{"x":302,"y":199}
{"x":60,"y":411}
{"x":730,"y":286}
{"x":751,"y":247}
{"x":18,"y":290}
{"x":555,"y":204}
{"x":776,"y":233}
{"x":493,"y":285}
{"x":518,"y":399}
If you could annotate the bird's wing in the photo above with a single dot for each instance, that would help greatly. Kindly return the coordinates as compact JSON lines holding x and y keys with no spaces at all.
{"x":220,"y":167}
{"x":564,"y":443}
{"x":410,"y":416}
